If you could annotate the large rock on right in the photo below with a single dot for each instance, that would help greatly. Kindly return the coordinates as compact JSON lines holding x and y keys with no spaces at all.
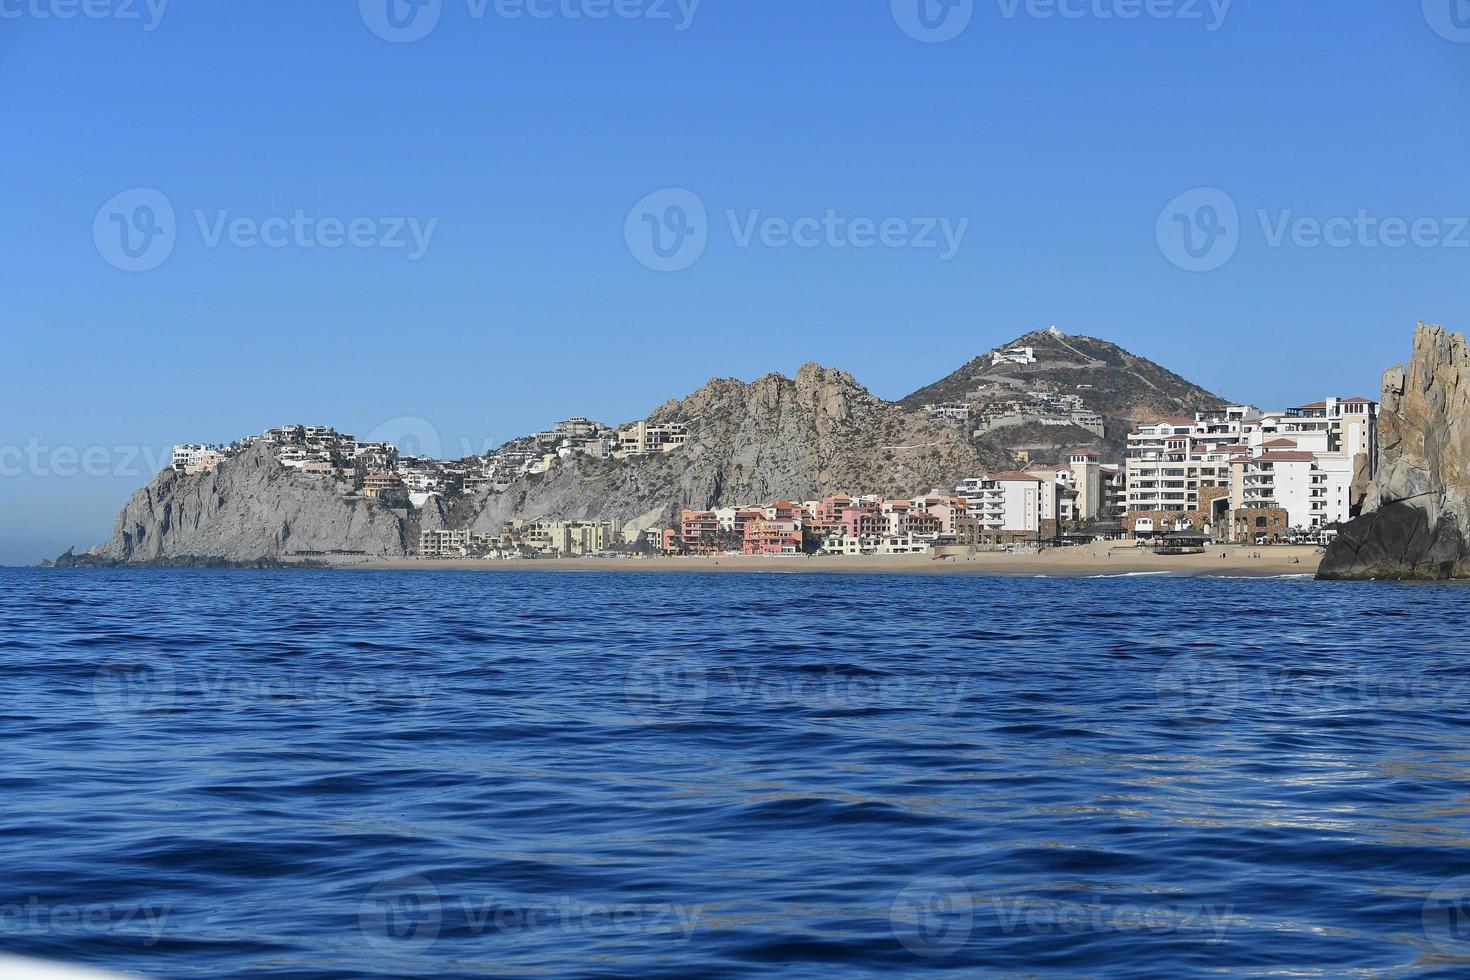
{"x":1417,"y":514}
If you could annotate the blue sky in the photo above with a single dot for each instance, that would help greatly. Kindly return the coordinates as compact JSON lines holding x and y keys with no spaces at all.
{"x":520,"y":145}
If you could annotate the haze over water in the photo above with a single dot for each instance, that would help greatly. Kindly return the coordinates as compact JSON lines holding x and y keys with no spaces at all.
{"x":334,"y":774}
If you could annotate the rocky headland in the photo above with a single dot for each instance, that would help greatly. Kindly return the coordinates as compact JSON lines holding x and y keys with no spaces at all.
{"x":1417,"y":516}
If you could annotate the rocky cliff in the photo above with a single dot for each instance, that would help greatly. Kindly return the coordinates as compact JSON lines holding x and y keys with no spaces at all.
{"x":774,"y":438}
{"x":1418,"y":514}
{"x":247,"y":510}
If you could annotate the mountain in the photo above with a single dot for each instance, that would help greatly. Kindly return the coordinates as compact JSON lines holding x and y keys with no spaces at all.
{"x":750,"y":443}
{"x":772,"y":439}
{"x":1417,"y":524}
{"x":1124,"y":389}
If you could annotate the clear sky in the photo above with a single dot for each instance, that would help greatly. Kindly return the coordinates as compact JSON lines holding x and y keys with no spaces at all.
{"x":1052,"y":140}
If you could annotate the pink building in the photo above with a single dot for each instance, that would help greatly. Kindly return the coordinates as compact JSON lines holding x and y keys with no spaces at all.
{"x":773,"y":537}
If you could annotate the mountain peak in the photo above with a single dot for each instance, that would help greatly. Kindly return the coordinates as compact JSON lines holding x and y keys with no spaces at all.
{"x":1051,"y":367}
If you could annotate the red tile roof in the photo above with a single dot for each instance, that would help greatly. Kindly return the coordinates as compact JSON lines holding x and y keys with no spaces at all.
{"x":1284,"y":458}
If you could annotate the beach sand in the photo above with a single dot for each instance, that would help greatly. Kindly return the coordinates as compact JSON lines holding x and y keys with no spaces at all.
{"x":1100,"y":559}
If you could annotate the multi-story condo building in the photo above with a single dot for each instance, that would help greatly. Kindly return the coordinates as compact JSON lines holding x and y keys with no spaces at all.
{"x":443,"y":543}
{"x":564,"y":538}
{"x":1241,"y":473}
{"x":1009,"y":506}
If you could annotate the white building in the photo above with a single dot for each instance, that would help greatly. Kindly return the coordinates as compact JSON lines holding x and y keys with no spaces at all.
{"x":1209,"y":468}
{"x":643,"y":438}
{"x":1010,"y":502}
{"x":1014,"y":355}
{"x":197,"y":457}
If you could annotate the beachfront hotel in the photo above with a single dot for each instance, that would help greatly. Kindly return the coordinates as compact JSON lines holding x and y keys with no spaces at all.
{"x":1243,"y":474}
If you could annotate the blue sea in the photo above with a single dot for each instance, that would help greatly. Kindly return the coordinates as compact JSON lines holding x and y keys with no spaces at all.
{"x":384,"y":774}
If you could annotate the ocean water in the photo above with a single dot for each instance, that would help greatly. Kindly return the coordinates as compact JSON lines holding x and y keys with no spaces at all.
{"x":343,"y":774}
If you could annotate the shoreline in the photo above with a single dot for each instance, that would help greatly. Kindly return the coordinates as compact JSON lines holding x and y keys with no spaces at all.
{"x":1101,"y":560}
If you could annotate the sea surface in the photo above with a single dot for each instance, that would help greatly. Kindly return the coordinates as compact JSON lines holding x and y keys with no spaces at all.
{"x":349,"y":774}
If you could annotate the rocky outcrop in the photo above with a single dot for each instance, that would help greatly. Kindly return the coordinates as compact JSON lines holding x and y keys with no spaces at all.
{"x":249,"y":510}
{"x":775,"y":438}
{"x":1418,"y":511}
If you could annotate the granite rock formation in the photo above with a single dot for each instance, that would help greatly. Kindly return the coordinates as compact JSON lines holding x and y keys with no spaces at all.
{"x":248,"y":510}
{"x":772,"y":439}
{"x":1417,"y":516}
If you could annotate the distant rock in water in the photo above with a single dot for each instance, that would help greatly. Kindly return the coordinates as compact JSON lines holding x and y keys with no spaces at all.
{"x":1418,"y":513}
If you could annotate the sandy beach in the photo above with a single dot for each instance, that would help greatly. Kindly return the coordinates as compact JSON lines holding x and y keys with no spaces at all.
{"x":1100,"y":559}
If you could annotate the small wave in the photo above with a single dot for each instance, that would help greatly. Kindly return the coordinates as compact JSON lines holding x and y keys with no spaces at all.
{"x":1133,"y":575}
